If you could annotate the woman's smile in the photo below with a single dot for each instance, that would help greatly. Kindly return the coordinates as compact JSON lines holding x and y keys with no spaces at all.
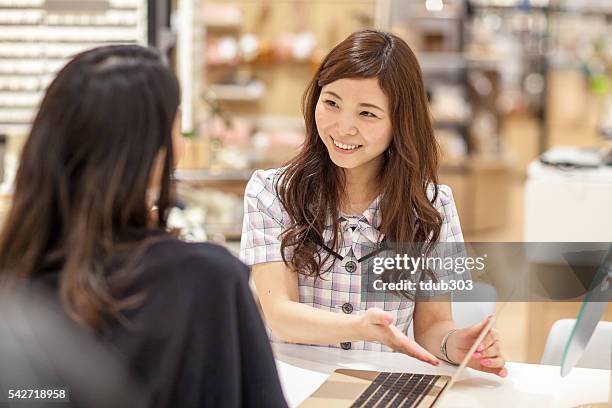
{"x":344,"y":147}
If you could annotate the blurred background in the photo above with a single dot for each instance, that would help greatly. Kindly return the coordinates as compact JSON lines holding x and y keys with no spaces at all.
{"x":520,"y":94}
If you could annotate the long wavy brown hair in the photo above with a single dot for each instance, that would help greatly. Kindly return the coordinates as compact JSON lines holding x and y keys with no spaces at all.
{"x":311,"y":186}
{"x":80,"y":205}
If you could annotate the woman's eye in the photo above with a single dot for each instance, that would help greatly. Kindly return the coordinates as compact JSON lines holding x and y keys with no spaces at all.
{"x":368,"y":114}
{"x":330,"y":103}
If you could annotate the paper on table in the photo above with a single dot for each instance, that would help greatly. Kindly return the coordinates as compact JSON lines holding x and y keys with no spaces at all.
{"x":298,"y":383}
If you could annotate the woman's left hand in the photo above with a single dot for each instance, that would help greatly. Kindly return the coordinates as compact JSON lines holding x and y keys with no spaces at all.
{"x":487,"y":357}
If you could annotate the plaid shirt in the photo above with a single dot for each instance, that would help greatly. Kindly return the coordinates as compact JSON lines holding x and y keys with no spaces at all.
{"x":340,"y":291}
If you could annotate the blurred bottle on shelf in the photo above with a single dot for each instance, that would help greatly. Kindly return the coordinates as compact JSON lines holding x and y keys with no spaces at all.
{"x":196,"y":154}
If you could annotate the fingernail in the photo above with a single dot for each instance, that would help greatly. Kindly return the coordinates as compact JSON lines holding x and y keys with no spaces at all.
{"x":477,"y":354}
{"x":480,"y":348}
{"x":485,"y":362}
{"x":503,"y":373}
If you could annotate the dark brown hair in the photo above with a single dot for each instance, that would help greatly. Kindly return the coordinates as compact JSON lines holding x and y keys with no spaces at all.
{"x":311,"y":186}
{"x":80,"y":194}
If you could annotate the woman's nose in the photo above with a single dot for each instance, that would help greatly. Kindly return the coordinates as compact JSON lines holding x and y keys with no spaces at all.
{"x":346,"y":127}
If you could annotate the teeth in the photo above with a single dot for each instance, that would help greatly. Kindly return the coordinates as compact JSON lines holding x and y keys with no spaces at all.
{"x":345,"y":146}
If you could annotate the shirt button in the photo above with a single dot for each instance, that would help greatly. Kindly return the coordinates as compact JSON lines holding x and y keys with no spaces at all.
{"x":346,"y":345}
{"x":350,"y":266}
{"x":347,"y":308}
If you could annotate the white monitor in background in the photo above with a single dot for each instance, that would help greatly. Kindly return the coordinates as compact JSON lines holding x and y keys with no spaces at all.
{"x":595,"y":302}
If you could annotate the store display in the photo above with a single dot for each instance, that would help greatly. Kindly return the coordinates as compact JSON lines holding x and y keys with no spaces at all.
{"x":188,"y":223}
{"x":448,"y":104}
{"x":211,"y":213}
{"x":235,"y":133}
{"x":37,"y":37}
{"x":272,"y":147}
{"x":298,"y":47}
{"x":222,"y":50}
{"x":453,"y":145}
{"x":196,"y":154}
{"x":238,"y":88}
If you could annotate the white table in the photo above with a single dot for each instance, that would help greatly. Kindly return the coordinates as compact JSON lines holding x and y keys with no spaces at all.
{"x":303,"y":369}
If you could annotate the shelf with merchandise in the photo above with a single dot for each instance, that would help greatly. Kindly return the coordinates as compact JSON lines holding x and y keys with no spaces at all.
{"x":581,"y":7}
{"x":263,"y":62}
{"x":227,"y":148}
{"x":38,"y":37}
{"x":252,"y":51}
{"x":252,"y":91}
{"x":206,"y":175}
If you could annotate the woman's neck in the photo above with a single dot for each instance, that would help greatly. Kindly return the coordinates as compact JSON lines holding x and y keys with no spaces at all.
{"x":362,"y":185}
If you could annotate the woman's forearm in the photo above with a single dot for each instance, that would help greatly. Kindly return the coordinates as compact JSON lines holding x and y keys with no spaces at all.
{"x":299,"y":323}
{"x":431,"y":336}
{"x":296,"y":322}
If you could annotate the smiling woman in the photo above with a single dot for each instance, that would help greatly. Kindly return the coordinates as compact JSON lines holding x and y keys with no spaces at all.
{"x":367,"y":172}
{"x":351,"y":117}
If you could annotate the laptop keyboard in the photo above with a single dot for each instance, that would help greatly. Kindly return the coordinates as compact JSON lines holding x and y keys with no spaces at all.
{"x":396,"y":390}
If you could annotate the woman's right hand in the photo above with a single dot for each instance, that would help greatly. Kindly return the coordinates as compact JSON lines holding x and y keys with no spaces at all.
{"x":377,"y":325}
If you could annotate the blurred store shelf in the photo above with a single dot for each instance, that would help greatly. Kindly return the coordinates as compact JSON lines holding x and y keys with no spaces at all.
{"x":213,"y":175}
{"x":581,"y":7}
{"x":230,"y":92}
{"x":37,"y":37}
{"x":441,"y":61}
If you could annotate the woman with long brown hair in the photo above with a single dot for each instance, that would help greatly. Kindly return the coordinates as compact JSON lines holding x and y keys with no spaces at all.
{"x":99,"y":156}
{"x":367,"y":171}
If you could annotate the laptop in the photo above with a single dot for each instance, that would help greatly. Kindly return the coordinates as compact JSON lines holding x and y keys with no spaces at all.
{"x":363,"y":388}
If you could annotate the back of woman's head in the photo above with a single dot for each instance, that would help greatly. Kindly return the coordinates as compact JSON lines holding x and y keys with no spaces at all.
{"x":84,"y":174}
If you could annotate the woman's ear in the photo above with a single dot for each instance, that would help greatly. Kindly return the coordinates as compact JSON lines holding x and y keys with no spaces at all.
{"x":178,"y":143}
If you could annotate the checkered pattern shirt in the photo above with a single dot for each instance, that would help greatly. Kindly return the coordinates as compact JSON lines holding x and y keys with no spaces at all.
{"x":340,"y":290}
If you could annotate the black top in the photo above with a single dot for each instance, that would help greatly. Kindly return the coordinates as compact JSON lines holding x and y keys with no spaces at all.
{"x":198,"y":339}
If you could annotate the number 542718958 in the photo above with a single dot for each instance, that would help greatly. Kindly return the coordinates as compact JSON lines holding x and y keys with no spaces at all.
{"x":38,"y":394}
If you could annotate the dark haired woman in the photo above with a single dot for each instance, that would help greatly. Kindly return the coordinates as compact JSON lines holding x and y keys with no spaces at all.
{"x":99,"y":155}
{"x":367,"y":170}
